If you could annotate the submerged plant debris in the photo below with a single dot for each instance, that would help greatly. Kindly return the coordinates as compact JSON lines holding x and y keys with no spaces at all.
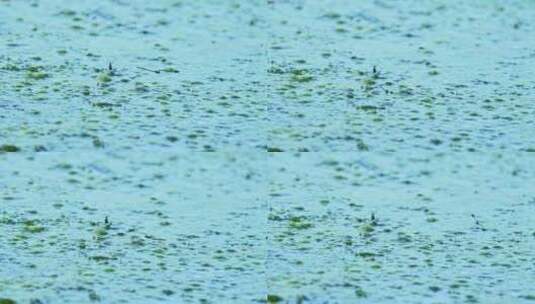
{"x":267,"y":151}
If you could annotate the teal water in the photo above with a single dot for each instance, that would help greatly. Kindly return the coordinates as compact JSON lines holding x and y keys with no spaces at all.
{"x":267,"y":151}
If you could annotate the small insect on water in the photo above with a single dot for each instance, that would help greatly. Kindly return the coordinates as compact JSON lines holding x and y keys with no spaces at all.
{"x":474,"y":217}
{"x":375,"y":72}
{"x":478,"y":224}
{"x":107,"y":223}
{"x":373,"y":219}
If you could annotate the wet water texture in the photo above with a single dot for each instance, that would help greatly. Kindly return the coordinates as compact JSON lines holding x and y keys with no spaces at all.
{"x":267,"y":151}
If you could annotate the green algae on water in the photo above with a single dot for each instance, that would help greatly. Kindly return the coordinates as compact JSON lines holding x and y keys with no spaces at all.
{"x":9,"y":148}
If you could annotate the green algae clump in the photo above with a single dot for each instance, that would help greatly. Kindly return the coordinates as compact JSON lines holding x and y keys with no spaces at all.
{"x":37,"y":75}
{"x":34,"y":229}
{"x":104,"y":77}
{"x":9,"y":148}
{"x":301,"y":75}
{"x":298,"y":222}
{"x":101,"y":233}
{"x":33,"y":226}
{"x":35,"y":72}
{"x":274,"y":298}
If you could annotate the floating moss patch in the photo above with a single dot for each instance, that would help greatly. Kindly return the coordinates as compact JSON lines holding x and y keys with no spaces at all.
{"x":275,"y":70}
{"x":359,"y":292}
{"x":298,"y":222}
{"x":301,"y":75}
{"x":168,"y":292}
{"x":434,"y":288}
{"x":368,"y":108}
{"x":366,"y":254}
{"x":104,"y":78}
{"x":34,"y":68}
{"x":35,"y":72}
{"x":11,"y":67}
{"x":172,"y":138}
{"x":101,"y":232}
{"x":7,"y":301}
{"x":366,"y":229}
{"x":274,"y":298}
{"x":34,"y":228}
{"x":436,"y":141}
{"x":9,"y":148}
{"x":67,"y":12}
{"x":332,"y":15}
{"x":368,"y":83}
{"x":103,"y":104}
{"x":100,"y":258}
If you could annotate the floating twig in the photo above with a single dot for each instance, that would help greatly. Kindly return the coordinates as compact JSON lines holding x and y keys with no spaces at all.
{"x":149,"y":70}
